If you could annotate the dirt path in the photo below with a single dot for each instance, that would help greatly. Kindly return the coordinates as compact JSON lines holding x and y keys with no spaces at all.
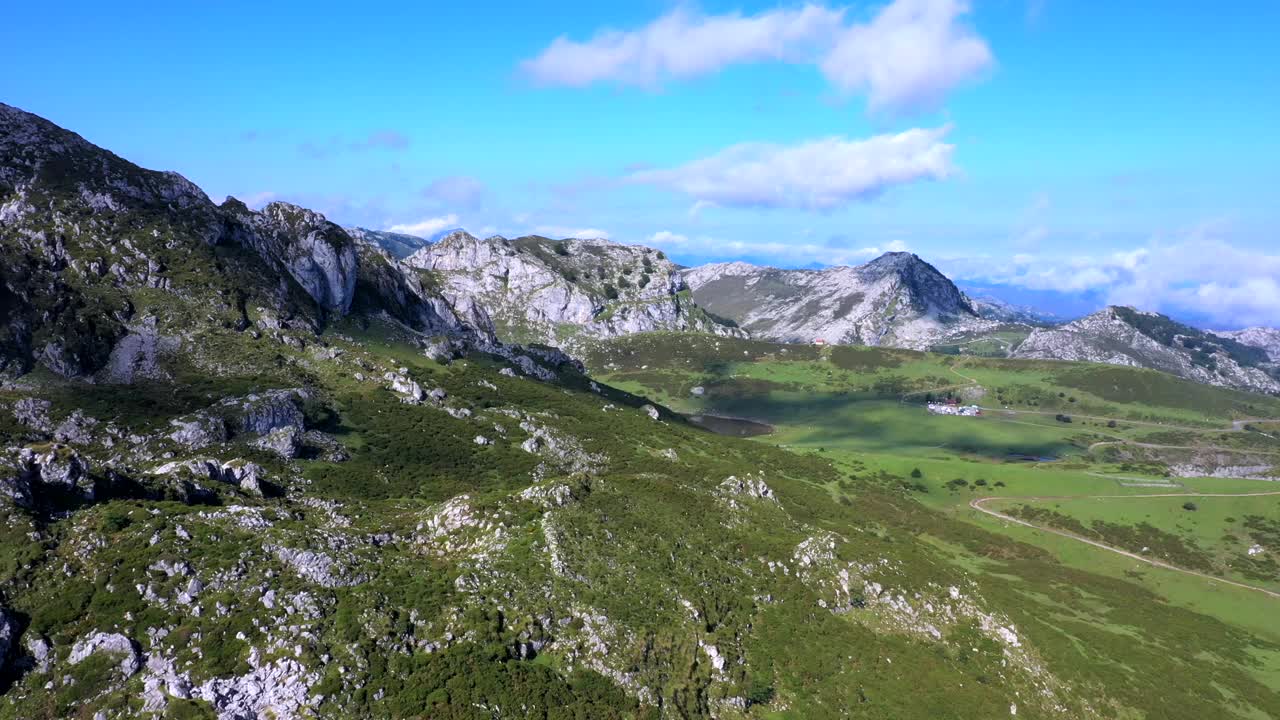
{"x":1210,"y":448}
{"x":979,"y":505}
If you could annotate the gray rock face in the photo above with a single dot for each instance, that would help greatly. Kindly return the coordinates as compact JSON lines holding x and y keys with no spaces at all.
{"x":315,"y":252}
{"x":79,"y":232}
{"x":34,"y":413}
{"x":40,"y":651}
{"x":112,"y":644}
{"x":1125,"y":336}
{"x":58,"y":468}
{"x":1263,"y":338}
{"x":278,"y":689}
{"x":263,"y":413}
{"x":77,"y":428}
{"x":8,"y":635}
{"x":317,"y":567}
{"x":388,"y":286}
{"x":197,"y":431}
{"x":896,"y":300}
{"x":541,"y":290}
{"x":137,"y":355}
{"x":283,"y":441}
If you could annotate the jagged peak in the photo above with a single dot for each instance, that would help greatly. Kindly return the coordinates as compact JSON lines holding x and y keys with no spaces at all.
{"x":458,"y":236}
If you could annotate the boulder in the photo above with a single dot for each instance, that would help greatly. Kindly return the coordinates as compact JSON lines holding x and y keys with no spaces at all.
{"x":34,"y":413}
{"x":283,"y":441}
{"x":9,"y":631}
{"x":261,"y":414}
{"x":109,"y":643}
{"x":197,"y":431}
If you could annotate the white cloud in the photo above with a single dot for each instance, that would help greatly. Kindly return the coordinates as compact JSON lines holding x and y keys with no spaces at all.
{"x":561,"y":231}
{"x":257,"y":200}
{"x":909,"y":56}
{"x":820,"y":174}
{"x":667,"y":238}
{"x":906,"y":57}
{"x":682,"y":44}
{"x":428,"y":226}
{"x":796,"y":253}
{"x":1196,"y":275}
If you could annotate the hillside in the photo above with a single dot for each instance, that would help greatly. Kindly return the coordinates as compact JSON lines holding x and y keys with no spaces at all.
{"x":255,"y":469}
{"x":1125,"y":336}
{"x":1262,"y":338}
{"x":562,"y":292}
{"x":897,"y":300}
{"x":108,"y":263}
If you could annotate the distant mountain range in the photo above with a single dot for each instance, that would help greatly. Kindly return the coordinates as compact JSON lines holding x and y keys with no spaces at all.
{"x":559,"y":292}
{"x":1125,"y":336}
{"x":75,"y":308}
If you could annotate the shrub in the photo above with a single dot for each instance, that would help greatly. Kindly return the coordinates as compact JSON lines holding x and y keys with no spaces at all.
{"x":915,"y":473}
{"x":1189,"y":506}
{"x":611,"y":292}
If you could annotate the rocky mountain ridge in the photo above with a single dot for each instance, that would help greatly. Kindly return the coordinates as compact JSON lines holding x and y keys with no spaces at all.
{"x":1263,"y":338}
{"x":896,"y":300}
{"x":99,"y":250}
{"x":563,"y":292}
{"x":1125,"y":336}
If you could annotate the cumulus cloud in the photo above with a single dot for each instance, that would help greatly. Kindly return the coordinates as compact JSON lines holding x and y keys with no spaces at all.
{"x":819,"y":175}
{"x":427,"y":226}
{"x":796,"y":253}
{"x":905,"y":57}
{"x":258,"y":199}
{"x":909,"y":56}
{"x":683,"y":44}
{"x":561,"y":231}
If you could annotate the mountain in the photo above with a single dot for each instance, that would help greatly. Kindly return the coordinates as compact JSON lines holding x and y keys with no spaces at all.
{"x":562,"y":292}
{"x":993,"y":308}
{"x":897,"y":300}
{"x":251,"y":468}
{"x":398,"y":245}
{"x":1263,"y":338}
{"x":103,"y":257}
{"x":1126,"y":336}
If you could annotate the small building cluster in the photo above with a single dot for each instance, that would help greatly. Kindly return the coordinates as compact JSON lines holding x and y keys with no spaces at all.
{"x":938,"y":408}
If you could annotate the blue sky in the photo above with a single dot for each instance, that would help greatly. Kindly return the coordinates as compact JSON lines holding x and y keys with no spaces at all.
{"x":1120,"y":152}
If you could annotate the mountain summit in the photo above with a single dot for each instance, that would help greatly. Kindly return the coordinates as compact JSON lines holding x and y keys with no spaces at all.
{"x":896,"y":299}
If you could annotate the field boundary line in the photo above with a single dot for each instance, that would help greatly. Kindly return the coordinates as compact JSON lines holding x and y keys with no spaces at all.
{"x":978,"y":504}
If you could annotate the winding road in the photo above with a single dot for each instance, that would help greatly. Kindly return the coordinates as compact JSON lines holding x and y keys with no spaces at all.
{"x":979,"y":505}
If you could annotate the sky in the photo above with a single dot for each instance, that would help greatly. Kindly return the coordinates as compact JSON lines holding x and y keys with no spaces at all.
{"x":1075,"y":152}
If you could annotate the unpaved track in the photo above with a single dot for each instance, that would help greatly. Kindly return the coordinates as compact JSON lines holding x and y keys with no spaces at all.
{"x":979,"y":505}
